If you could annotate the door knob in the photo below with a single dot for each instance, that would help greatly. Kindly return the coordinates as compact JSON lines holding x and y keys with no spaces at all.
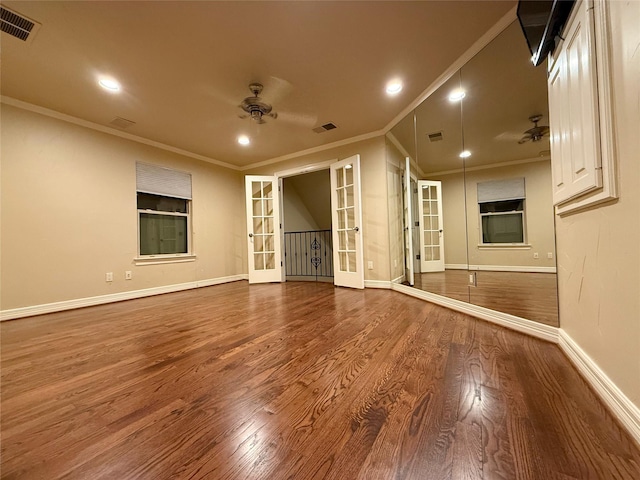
{"x":356,"y":229}
{"x":251,"y":235}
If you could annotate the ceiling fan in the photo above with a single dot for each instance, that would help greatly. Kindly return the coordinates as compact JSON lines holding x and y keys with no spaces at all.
{"x":255,"y":107}
{"x":536,"y":133}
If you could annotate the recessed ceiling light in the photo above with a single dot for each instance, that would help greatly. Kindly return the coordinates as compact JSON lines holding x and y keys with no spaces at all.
{"x":394,"y":87}
{"x":243,"y":140}
{"x":457,"y":95}
{"x":109,"y":84}
{"x":347,"y":167}
{"x":465,"y":154}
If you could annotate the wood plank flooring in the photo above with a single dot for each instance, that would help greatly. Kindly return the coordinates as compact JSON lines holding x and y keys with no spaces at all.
{"x":295,"y":381}
{"x":533,"y":296}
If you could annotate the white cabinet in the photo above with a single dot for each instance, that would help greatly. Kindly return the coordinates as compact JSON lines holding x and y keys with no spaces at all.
{"x":579,"y":110}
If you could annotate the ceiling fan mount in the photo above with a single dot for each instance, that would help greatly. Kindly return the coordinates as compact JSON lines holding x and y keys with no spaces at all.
{"x":255,"y":107}
{"x":536,"y":133}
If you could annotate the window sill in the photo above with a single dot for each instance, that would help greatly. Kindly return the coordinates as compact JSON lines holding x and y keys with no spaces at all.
{"x":504,"y":246}
{"x":159,"y":259}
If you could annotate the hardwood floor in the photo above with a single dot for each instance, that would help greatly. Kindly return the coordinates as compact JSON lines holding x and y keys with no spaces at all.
{"x":295,"y":381}
{"x":533,"y":296}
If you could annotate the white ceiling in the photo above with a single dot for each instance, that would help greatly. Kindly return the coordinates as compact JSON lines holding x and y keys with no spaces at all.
{"x":185,"y":66}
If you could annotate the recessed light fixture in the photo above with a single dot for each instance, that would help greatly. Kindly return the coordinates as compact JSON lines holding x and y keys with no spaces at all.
{"x":109,"y":84}
{"x":394,"y":87}
{"x":465,"y":154}
{"x":243,"y":140}
{"x":457,"y":95}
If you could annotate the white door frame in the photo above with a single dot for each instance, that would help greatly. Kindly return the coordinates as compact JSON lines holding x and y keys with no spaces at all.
{"x":294,"y":172}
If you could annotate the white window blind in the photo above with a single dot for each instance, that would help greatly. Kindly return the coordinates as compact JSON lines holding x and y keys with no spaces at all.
{"x":162,"y":181}
{"x":499,"y":190}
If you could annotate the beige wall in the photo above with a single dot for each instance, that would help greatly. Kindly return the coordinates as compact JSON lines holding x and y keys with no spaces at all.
{"x":538,"y":212}
{"x":68,"y":213}
{"x":375,"y":230}
{"x":297,"y":217}
{"x":599,"y":250}
{"x":314,"y":192}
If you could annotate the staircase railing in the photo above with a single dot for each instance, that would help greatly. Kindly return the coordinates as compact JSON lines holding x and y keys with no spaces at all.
{"x":308,"y":254}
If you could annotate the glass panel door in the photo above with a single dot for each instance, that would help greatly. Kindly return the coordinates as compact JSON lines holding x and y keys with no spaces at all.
{"x":347,"y":219}
{"x":431,"y":232}
{"x":263,"y":227}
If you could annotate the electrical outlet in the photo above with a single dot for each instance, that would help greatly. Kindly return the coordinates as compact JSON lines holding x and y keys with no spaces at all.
{"x":108,"y":277}
{"x":370,"y":264}
{"x":472,"y":279}
{"x":128,"y":275}
{"x":535,"y":255}
{"x":550,"y":255}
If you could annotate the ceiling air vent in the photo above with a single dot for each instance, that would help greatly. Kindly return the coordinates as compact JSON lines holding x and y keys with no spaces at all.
{"x":325,"y":127}
{"x":435,"y":137}
{"x":121,"y":123}
{"x":17,"y":25}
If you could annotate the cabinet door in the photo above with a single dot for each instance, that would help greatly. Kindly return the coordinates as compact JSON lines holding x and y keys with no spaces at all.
{"x":573,"y":110}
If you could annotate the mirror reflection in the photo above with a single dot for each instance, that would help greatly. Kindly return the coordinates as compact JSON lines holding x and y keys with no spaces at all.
{"x":482,"y":222}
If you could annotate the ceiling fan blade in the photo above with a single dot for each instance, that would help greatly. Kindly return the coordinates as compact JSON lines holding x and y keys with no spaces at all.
{"x":302,"y":119}
{"x":525,"y":139}
{"x":508,"y":137}
{"x":275,"y":90}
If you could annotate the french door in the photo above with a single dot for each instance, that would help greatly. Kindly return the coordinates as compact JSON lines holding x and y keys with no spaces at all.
{"x":346,"y":214}
{"x":431,"y":234}
{"x":263,"y":229}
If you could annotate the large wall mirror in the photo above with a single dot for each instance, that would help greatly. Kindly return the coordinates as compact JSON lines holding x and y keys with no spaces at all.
{"x":477,"y":215}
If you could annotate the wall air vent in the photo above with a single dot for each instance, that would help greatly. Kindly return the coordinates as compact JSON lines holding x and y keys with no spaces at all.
{"x":435,"y":136}
{"x":17,"y":25}
{"x":122,"y":123}
{"x":325,"y":127}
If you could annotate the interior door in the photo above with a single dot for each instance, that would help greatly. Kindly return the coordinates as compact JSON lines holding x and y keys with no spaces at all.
{"x":263,"y":228}
{"x":408,"y":223}
{"x":346,"y":214}
{"x":431,"y":234}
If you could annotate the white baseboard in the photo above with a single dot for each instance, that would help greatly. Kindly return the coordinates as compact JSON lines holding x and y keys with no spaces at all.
{"x":455,"y":266}
{"x":377,"y":284}
{"x":620,"y":406}
{"x":535,"y":329}
{"x":113,"y":297}
{"x":512,"y":268}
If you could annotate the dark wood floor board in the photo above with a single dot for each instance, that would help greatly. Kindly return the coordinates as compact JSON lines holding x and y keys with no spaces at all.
{"x":561,"y":391}
{"x":295,"y":381}
{"x":384,"y":456}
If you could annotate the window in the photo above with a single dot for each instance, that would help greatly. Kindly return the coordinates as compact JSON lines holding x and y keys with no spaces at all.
{"x":164,"y":205}
{"x":503,"y":221}
{"x":501,"y":204}
{"x":163,"y":224}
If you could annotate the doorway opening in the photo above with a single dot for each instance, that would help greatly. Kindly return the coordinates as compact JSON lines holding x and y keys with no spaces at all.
{"x":306,"y":222}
